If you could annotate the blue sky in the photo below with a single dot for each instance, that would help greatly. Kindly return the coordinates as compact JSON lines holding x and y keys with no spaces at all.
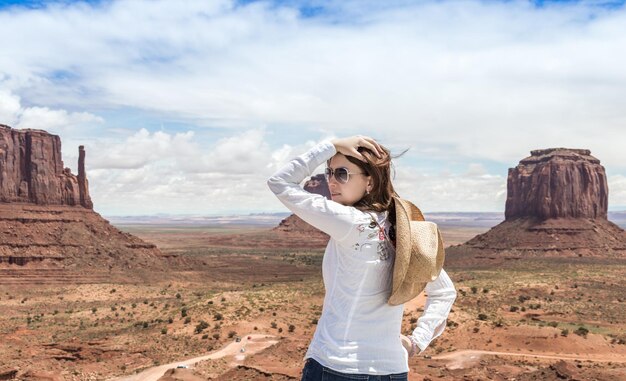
{"x":187,"y":107}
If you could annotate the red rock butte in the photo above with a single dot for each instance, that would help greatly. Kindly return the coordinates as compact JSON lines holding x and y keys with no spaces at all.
{"x":49,"y":231}
{"x":557,"y":202}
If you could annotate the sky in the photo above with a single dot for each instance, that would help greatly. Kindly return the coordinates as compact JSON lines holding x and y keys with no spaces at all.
{"x":188,"y":107}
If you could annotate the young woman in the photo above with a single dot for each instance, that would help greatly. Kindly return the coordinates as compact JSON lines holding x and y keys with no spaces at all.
{"x":358,"y":334}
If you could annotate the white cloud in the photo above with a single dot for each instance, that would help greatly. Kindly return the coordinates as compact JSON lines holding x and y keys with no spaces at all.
{"x":617,"y":191}
{"x":9,"y":108}
{"x":470,"y":81}
{"x":56,"y":121}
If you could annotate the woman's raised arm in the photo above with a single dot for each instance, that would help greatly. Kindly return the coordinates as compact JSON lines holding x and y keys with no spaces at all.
{"x":329,"y":216}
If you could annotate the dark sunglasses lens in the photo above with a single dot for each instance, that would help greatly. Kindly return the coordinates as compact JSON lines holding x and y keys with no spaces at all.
{"x":341,"y":174}
{"x":327,"y":174}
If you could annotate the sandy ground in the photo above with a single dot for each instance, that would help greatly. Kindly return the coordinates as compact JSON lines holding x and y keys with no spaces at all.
{"x":525,"y":320}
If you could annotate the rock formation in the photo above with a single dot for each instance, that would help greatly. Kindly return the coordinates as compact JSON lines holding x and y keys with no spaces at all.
{"x":47,"y":223}
{"x":557,"y":202}
{"x":31,"y":170}
{"x":557,"y":183}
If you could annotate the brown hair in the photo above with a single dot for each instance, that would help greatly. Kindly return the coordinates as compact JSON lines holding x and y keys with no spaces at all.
{"x":380,"y":198}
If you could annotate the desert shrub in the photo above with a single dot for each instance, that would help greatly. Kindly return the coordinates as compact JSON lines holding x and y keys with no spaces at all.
{"x":218,"y":316}
{"x":178,"y":296}
{"x":187,"y":320}
{"x":474,"y":289}
{"x":274,"y":325}
{"x":475,"y":330}
{"x":231,"y":334}
{"x":581,"y":331}
{"x":553,"y":324}
{"x":485,"y":290}
{"x":513,"y":308}
{"x":205,"y":336}
{"x":223,"y":299}
{"x":291,"y":327}
{"x":145,"y":324}
{"x":216,"y":335}
{"x":112,"y":291}
{"x":94,"y":310}
{"x":183,"y":312}
{"x":280,"y":330}
{"x":170,"y":320}
{"x":523,"y":298}
{"x":163,"y":331}
{"x":201,"y":326}
{"x":482,"y":317}
{"x":564,"y":332}
{"x":313,"y":321}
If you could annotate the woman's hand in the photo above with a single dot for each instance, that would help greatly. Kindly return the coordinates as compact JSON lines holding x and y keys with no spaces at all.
{"x":349,"y":146}
{"x":408,"y":345}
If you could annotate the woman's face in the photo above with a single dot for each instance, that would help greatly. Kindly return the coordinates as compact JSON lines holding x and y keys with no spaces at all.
{"x":356,"y":187}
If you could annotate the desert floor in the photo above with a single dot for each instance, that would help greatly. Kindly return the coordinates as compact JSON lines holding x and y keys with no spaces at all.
{"x":539,"y":319}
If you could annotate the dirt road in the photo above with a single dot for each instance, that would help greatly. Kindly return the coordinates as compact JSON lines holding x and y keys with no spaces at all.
{"x":468,"y":358}
{"x":255,"y":344}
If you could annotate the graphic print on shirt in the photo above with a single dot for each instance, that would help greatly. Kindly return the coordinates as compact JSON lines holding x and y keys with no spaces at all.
{"x":372,"y":231}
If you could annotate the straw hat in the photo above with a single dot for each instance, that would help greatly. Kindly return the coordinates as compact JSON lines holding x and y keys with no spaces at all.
{"x":419,"y":253}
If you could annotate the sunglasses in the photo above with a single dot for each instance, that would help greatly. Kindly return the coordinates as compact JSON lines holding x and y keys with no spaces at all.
{"x":342,"y":175}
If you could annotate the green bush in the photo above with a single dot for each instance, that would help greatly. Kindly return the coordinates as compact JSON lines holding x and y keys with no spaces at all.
{"x":581,"y":331}
{"x":201,"y":326}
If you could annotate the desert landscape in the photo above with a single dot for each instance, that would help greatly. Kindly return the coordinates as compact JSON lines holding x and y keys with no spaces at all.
{"x":525,"y":320}
{"x":238,"y":298}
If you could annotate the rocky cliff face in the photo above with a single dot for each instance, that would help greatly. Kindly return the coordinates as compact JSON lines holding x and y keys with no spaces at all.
{"x":31,"y":170}
{"x":555,"y":183}
{"x":557,"y":201}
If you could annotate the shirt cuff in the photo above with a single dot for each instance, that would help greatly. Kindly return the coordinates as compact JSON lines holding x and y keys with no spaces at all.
{"x":419,"y":338}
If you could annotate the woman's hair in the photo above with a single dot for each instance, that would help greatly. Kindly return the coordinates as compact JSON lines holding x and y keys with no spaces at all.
{"x":380,"y":198}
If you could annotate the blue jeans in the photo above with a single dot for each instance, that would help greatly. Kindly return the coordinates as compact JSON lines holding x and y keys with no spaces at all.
{"x":314,"y":371}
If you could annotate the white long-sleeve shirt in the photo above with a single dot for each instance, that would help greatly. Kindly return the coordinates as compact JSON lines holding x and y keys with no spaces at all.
{"x":358,"y":331}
